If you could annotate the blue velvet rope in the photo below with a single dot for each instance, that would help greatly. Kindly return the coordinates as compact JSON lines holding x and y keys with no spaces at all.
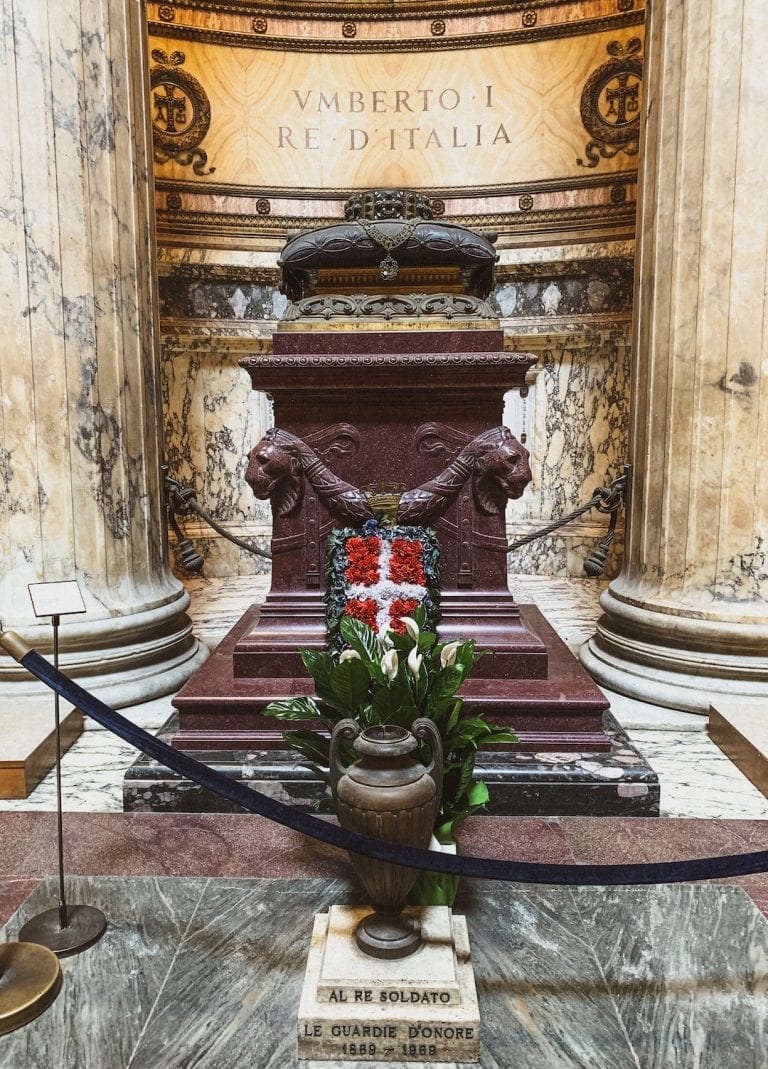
{"x":706,"y":868}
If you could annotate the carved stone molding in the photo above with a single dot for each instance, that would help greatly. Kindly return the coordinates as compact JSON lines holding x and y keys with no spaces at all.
{"x":584,"y":218}
{"x":389,"y":306}
{"x":430,"y":205}
{"x":374,"y":10}
{"x":384,"y":360}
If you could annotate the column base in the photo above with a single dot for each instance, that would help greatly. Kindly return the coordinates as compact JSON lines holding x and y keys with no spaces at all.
{"x":676,"y":661}
{"x":124,"y":660}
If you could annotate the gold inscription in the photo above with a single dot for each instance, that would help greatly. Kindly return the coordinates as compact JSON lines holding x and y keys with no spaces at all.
{"x":437,"y":103}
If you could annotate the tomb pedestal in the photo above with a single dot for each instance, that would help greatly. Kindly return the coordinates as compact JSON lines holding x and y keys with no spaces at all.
{"x":400,"y":406}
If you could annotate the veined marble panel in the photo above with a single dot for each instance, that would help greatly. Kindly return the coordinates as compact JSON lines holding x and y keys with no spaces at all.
{"x":697,"y":782}
{"x":665,"y":989}
{"x":219,"y":300}
{"x":212,"y":419}
{"x":577,"y":413}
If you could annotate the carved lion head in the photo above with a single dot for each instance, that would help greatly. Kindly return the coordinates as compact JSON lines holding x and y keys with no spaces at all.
{"x":274,"y":472}
{"x":501,"y":470}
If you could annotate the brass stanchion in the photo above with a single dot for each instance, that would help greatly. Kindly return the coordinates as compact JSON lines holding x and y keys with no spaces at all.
{"x":30,"y":979}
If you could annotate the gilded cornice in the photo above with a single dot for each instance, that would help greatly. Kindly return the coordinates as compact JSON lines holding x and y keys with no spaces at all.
{"x":376,"y":10}
{"x":341,"y":36}
{"x":578,"y":220}
{"x":545,"y":185}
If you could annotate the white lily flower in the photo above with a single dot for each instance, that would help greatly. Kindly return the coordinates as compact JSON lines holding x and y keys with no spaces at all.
{"x":411,"y":627}
{"x":414,"y":663}
{"x":389,"y":664}
{"x":448,"y":654}
{"x":386,"y":642}
{"x":349,"y":655}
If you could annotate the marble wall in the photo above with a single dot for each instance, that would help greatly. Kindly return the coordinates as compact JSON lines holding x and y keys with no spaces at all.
{"x":212,"y":418}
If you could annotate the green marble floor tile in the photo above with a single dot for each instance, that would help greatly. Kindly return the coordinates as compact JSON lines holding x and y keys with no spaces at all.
{"x":108,"y":991}
{"x":541,"y":989}
{"x":688,"y":968}
{"x":233,"y":994}
{"x":206,"y":974}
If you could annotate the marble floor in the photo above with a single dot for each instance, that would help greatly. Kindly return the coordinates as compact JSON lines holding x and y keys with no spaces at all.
{"x":207,"y":973}
{"x":697,"y":779}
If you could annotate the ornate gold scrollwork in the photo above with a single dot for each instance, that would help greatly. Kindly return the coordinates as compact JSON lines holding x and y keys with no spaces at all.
{"x":610,"y":104}
{"x":181,"y":113}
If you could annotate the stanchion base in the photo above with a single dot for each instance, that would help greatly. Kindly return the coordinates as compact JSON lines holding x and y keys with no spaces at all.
{"x":86,"y":926}
{"x":30,"y":979}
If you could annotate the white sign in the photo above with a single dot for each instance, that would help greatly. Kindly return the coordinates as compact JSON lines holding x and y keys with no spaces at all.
{"x":56,"y":599}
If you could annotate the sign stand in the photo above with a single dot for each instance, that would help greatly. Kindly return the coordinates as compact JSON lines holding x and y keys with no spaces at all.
{"x":64,"y":929}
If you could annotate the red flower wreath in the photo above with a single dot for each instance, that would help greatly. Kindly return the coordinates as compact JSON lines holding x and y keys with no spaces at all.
{"x":364,"y":609}
{"x":363,"y":561}
{"x":405,"y":564}
{"x":401,"y":607}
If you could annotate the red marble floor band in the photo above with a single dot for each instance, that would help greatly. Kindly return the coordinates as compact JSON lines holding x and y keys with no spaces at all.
{"x":242,"y":845}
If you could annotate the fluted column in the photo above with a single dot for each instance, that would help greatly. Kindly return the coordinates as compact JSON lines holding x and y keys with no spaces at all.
{"x":687,"y":619}
{"x":80,"y":491}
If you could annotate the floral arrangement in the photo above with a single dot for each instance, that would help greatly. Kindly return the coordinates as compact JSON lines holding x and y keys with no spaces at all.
{"x":379,"y":575}
{"x":394,"y":680}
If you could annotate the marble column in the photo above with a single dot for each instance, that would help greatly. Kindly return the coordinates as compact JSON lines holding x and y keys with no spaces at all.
{"x":80,"y":487}
{"x":687,"y":619}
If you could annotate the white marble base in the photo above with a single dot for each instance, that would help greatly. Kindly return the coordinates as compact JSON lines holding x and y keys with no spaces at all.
{"x":633,"y":714}
{"x":697,"y":779}
{"x":420,"y":1008}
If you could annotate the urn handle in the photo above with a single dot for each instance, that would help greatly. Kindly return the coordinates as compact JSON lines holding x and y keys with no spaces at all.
{"x":423,"y":728}
{"x":345,"y":730}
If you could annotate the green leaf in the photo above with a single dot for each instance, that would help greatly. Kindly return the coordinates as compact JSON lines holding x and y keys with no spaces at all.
{"x":499,"y":736}
{"x":478,"y":795}
{"x":473,"y":725}
{"x":394,"y":704}
{"x":445,"y":684}
{"x":434,"y":889}
{"x":374,"y":670}
{"x":350,"y":683}
{"x":319,"y":664}
{"x":465,"y":777}
{"x":361,"y":638}
{"x":293,"y":709}
{"x":466,"y":655}
{"x":453,"y":719}
{"x":444,"y":832}
{"x":321,"y":667}
{"x":402,"y":643}
{"x":310,"y":744}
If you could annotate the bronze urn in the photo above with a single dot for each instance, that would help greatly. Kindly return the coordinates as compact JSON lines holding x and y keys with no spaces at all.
{"x":389,"y":794}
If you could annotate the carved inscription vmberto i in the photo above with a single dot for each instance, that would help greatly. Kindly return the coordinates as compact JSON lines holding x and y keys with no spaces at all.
{"x":411,"y":119}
